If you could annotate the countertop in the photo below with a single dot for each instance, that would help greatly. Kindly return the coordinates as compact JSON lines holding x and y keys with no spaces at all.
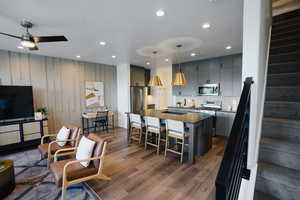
{"x":229,"y":111}
{"x":197,"y":109}
{"x":186,"y":117}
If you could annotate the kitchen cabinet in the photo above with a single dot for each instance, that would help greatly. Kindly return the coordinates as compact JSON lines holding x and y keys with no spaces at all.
{"x":226,"y":82}
{"x":237,"y":75}
{"x":224,"y":122}
{"x":190,"y":71}
{"x":147,"y":80}
{"x":137,"y":76}
{"x":226,"y":70}
{"x":214,"y":71}
{"x":204,"y":72}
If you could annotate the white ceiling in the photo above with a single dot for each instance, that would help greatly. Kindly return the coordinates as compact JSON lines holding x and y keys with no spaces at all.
{"x":127,"y":26}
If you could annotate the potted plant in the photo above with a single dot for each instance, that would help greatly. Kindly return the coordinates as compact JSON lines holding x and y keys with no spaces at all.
{"x":179,"y":103}
{"x":44,"y":112}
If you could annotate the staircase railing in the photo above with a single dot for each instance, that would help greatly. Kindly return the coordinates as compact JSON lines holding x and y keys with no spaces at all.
{"x":234,"y":164}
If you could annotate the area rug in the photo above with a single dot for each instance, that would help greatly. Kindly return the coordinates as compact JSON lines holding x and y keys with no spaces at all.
{"x":34,"y":180}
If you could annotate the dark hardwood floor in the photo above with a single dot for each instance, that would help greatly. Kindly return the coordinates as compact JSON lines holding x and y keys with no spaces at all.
{"x":141,"y":174}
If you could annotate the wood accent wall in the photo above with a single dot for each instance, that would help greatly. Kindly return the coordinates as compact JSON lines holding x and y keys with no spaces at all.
{"x":58,"y":83}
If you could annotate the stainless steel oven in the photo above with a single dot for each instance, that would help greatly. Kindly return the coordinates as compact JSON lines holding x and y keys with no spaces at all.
{"x":209,"y":89}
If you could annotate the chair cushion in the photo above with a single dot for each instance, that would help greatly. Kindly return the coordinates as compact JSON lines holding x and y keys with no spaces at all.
{"x":63,"y":134}
{"x":43,"y":148}
{"x":85,"y":150}
{"x":98,"y":147}
{"x":74,"y":171}
{"x":74,"y":131}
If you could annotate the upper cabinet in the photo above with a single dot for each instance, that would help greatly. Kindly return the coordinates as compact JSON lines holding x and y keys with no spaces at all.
{"x":137,"y":76}
{"x":226,"y":82}
{"x":203,"y":72}
{"x":225,"y":70}
{"x":214,"y":69}
{"x":191,"y":74}
{"x":237,"y":75}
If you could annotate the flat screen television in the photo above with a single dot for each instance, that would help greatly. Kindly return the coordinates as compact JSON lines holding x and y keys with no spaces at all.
{"x":16,"y":102}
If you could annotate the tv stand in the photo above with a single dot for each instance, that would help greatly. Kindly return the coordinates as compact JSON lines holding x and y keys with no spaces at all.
{"x":21,"y":133}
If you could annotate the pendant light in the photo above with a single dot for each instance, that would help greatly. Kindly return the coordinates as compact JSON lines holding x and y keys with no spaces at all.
{"x":155,"y":80}
{"x":180,"y":79}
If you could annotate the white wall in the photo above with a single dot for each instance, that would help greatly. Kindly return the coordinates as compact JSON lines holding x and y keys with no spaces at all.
{"x":257,"y":21}
{"x":123,"y":91}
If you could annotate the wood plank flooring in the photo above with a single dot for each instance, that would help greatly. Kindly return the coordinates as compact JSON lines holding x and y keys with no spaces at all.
{"x":141,"y":174}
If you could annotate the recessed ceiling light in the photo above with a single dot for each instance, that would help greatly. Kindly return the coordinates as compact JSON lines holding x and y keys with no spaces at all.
{"x":160,"y":13}
{"x":193,"y":54}
{"x":228,"y":47}
{"x":167,"y":59}
{"x":78,"y":56}
{"x":147,"y":63}
{"x":102,"y":43}
{"x":206,"y":25}
{"x":20,"y":47}
{"x":113,"y":56}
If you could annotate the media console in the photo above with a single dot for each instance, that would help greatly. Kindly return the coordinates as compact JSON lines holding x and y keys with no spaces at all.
{"x":21,"y":133}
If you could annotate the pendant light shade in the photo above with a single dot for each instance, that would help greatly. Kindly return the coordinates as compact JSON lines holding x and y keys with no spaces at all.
{"x":180,"y":79}
{"x":155,"y":82}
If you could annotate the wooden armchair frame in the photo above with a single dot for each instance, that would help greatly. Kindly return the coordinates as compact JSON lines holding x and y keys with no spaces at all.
{"x":45,"y":136}
{"x":98,"y":175}
{"x":50,"y":155}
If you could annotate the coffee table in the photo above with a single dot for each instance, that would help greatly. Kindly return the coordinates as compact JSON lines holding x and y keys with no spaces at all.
{"x":7,"y":180}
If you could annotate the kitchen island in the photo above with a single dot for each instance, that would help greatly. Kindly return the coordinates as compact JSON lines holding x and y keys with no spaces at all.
{"x":199,"y":129}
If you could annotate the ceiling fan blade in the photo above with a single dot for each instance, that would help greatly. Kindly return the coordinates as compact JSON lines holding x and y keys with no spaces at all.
{"x":49,"y":38}
{"x":14,"y":36}
{"x":33,"y":48}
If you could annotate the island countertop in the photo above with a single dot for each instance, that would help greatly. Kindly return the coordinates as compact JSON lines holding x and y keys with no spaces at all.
{"x":199,"y":129}
{"x":186,"y":117}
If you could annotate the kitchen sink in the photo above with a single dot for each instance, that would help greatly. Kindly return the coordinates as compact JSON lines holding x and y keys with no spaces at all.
{"x":174,"y":112}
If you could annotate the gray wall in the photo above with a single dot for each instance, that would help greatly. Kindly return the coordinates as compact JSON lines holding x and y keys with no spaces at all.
{"x":58,"y":83}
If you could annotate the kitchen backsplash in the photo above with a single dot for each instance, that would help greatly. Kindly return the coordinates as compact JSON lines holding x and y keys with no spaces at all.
{"x":228,"y":103}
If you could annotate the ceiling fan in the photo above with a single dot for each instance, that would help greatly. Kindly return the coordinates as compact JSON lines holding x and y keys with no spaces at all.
{"x":29,"y":41}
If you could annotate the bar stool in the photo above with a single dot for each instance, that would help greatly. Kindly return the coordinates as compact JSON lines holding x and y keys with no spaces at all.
{"x":153,"y":126}
{"x":136,"y":123}
{"x":175,"y":129}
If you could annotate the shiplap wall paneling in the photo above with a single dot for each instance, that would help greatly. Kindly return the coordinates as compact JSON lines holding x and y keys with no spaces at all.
{"x":58,"y":83}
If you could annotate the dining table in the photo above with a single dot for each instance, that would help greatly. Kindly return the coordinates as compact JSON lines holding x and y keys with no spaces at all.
{"x":88,"y":117}
{"x":199,"y":128}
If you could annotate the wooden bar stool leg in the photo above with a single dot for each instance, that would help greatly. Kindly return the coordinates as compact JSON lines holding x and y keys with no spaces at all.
{"x":182,"y":149}
{"x":166,"y":148}
{"x":141,"y":133}
{"x":146,"y":139}
{"x":158,"y":144}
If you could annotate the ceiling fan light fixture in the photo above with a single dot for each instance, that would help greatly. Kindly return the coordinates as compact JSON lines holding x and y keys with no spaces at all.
{"x":27,"y":44}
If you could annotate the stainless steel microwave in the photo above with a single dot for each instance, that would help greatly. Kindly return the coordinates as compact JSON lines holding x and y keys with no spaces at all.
{"x":209,"y":90}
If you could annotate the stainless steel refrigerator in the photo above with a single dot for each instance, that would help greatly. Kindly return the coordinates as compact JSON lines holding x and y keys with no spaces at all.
{"x":137,"y":99}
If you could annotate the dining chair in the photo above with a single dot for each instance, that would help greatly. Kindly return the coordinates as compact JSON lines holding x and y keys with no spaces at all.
{"x":175,"y":129}
{"x":154,"y":127}
{"x":47,"y":150}
{"x":101,"y":120}
{"x":136,"y":123}
{"x":70,"y":171}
